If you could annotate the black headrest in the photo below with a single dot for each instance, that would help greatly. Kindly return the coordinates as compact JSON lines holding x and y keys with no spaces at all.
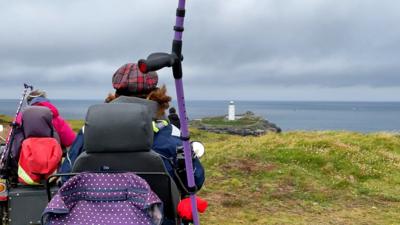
{"x":37,"y":122}
{"x":125,"y":127}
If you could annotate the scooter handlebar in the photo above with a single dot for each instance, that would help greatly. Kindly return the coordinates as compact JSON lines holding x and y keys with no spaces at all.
{"x":156,"y":61}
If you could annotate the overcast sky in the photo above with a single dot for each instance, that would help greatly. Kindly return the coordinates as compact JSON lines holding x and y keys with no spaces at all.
{"x":234,"y":49}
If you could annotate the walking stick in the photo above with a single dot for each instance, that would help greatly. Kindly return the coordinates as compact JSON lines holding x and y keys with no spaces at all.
{"x":156,"y":61}
{"x":7,"y":148}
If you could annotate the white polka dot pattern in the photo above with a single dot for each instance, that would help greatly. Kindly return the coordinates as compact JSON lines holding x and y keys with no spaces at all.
{"x":102,"y":199}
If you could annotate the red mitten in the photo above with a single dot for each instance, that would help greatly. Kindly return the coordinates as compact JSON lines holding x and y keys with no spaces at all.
{"x":185,"y":208}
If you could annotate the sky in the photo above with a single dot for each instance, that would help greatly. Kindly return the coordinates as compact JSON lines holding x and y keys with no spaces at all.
{"x":276,"y":50}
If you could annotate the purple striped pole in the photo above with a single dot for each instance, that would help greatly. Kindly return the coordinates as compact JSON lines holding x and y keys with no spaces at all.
{"x":186,"y":146}
{"x":182,"y":111}
{"x":160,"y":60}
{"x":179,"y":21}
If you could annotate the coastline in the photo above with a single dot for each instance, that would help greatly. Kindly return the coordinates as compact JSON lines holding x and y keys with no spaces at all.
{"x":296,"y":115}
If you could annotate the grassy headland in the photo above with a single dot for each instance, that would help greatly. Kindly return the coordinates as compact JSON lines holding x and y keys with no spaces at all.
{"x":300,"y":178}
{"x":220,"y":121}
{"x":244,"y":125}
{"x":330,"y":177}
{"x":5,"y":119}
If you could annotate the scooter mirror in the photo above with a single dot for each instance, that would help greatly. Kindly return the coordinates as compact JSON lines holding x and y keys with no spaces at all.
{"x":198,"y":148}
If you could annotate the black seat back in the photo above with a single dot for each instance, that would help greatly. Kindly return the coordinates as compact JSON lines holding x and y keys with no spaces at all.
{"x":118,"y":138}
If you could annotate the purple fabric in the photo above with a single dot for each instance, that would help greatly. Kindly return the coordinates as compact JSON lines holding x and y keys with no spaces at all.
{"x":102,"y":198}
{"x":15,"y":147}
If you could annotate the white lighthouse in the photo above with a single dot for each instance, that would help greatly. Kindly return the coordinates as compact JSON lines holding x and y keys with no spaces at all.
{"x":231,"y":111}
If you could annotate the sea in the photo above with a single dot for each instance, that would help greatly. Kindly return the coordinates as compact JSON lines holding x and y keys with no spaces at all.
{"x":289,"y":115}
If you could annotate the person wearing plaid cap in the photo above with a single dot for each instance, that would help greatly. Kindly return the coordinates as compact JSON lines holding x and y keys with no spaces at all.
{"x":133,"y":86}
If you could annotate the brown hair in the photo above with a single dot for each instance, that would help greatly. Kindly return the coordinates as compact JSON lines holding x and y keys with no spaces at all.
{"x":158,"y":95}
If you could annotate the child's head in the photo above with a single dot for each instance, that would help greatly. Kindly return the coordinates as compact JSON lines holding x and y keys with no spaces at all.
{"x":34,"y":94}
{"x":172,"y":110}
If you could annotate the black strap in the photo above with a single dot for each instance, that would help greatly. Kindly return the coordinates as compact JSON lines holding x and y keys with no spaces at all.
{"x":192,"y":190}
{"x":179,"y":29}
{"x":185,"y":138}
{"x":180,"y":12}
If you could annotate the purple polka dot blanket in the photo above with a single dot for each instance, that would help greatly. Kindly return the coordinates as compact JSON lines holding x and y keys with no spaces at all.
{"x":104,"y":199}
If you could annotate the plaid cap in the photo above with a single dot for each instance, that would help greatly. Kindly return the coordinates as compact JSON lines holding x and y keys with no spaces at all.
{"x":129,"y":78}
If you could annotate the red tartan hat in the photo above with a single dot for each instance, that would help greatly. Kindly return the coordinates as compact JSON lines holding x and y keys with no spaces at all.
{"x":129,"y":79}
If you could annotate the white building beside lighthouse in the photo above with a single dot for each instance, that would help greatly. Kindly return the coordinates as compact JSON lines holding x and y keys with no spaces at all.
{"x":231,"y":111}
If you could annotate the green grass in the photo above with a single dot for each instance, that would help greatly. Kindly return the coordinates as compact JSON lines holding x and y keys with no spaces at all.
{"x":5,"y":119}
{"x":302,"y":178}
{"x":222,"y":121}
{"x":76,"y":124}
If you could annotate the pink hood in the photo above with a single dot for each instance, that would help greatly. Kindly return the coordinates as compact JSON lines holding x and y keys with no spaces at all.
{"x":53,"y":109}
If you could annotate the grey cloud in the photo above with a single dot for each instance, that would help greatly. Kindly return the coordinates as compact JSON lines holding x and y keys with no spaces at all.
{"x":231,"y":44}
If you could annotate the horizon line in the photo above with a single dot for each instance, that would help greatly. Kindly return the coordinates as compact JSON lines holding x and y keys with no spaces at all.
{"x":239,"y":100}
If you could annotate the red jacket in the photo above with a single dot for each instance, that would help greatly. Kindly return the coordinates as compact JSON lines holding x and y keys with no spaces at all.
{"x":39,"y":159}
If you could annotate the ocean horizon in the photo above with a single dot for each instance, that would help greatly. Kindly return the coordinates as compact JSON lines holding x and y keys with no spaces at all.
{"x":289,"y":115}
